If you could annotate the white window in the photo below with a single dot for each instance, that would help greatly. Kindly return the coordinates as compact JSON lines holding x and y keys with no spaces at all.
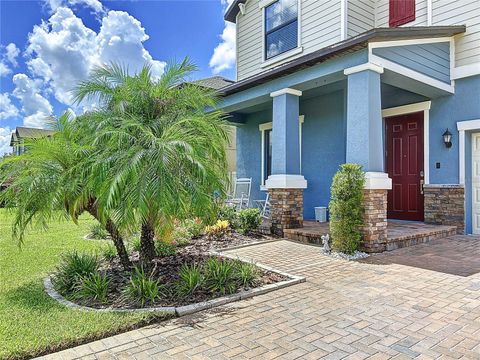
{"x":281,"y":30}
{"x":266,"y":130}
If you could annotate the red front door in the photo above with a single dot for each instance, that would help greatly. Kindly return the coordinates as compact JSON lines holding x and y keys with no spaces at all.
{"x":404,"y":160}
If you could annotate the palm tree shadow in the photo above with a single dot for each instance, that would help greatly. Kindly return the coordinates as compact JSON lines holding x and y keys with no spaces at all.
{"x":31,"y":296}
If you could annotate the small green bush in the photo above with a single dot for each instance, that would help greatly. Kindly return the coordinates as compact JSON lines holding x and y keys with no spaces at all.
{"x":193,"y":226}
{"x":220,"y":276}
{"x":72,"y":268}
{"x":163,"y":248}
{"x":109,"y":252}
{"x":190,"y":280}
{"x":142,"y":288}
{"x":250,"y":220}
{"x":346,"y":208}
{"x":246,"y":273}
{"x":93,"y":287}
{"x":181,"y":236}
{"x":229,"y":214}
{"x":98,"y":231}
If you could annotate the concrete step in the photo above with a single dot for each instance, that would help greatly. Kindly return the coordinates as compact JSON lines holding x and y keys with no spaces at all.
{"x":399,"y":233}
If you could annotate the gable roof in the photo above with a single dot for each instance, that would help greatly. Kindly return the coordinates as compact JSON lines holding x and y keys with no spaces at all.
{"x":32,"y":133}
{"x":22,"y":132}
{"x":214,"y":82}
{"x":346,"y":46}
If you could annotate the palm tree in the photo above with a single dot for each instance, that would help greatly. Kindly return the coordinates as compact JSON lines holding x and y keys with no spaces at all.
{"x":51,"y":180}
{"x":162,"y":148}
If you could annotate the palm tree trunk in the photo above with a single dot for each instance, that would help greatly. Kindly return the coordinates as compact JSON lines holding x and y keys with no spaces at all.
{"x":147,"y":245}
{"x":119,"y":244}
{"x":114,"y":234}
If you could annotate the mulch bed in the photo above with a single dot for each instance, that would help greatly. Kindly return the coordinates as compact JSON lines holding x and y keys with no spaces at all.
{"x":166,"y":269}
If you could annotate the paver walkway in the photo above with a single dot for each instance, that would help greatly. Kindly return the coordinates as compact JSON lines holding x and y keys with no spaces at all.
{"x":345,"y":310}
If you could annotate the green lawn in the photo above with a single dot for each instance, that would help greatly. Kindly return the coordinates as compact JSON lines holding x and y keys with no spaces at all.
{"x":31,"y":322}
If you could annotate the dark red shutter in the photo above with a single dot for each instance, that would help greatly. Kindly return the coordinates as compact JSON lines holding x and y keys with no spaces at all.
{"x":401,"y":12}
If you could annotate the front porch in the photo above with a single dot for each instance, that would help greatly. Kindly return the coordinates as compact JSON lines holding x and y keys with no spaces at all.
{"x":400,"y":234}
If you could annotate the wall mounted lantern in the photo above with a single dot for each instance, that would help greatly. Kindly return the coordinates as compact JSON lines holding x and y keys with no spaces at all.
{"x":447,"y":139}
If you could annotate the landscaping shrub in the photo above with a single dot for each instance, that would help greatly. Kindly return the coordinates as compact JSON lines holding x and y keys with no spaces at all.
{"x":220,"y":276}
{"x":246,"y":273}
{"x":249,"y":219}
{"x":193,"y":226}
{"x":109,"y":252}
{"x":142,"y":288}
{"x":229,"y":214}
{"x":346,"y":208}
{"x":190,"y":280}
{"x":93,"y":287}
{"x":217,"y":231}
{"x":98,"y":231}
{"x":72,"y":268}
{"x":181,"y":235}
{"x":162,"y":248}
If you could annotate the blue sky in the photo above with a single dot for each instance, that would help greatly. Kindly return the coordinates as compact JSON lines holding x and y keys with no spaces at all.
{"x":46,"y":46}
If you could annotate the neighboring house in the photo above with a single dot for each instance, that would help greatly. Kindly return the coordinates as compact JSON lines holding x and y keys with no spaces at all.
{"x":373,"y":82}
{"x":216,"y":83}
{"x":22,"y":133}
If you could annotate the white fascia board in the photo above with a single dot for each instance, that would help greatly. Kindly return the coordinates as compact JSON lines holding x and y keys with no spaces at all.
{"x":391,"y":43}
{"x":402,"y":70}
{"x":286,"y":91}
{"x":367,"y":66}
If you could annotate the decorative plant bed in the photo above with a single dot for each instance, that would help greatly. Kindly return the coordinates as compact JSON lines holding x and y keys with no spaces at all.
{"x":199,"y":254}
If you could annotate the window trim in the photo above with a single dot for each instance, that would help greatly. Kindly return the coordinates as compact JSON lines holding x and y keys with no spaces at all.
{"x":282,"y":56}
{"x":269,"y":126}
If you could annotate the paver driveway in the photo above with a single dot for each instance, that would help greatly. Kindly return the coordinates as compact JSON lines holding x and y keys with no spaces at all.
{"x":344,"y":310}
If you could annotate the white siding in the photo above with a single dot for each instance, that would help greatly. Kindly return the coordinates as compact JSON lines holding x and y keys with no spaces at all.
{"x":461,"y":12}
{"x":249,"y":41}
{"x":320,"y":27}
{"x":381,"y":15}
{"x":361,"y":16}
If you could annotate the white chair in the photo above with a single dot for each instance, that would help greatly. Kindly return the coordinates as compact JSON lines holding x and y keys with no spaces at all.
{"x":264,"y":206}
{"x":241,"y":193}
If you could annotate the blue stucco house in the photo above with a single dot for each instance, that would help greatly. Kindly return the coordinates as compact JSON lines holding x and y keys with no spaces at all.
{"x":391,"y":85}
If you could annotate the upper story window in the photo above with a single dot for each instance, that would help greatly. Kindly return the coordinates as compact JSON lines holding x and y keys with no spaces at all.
{"x":401,"y":12}
{"x":281,"y":27}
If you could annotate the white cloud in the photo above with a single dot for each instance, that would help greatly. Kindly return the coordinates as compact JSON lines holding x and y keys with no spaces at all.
{"x":11,"y":53}
{"x":35,"y":107}
{"x":63,"y":50}
{"x":224,"y":55}
{"x":5,"y":137}
{"x":4,"y":69}
{"x":7,"y":109}
{"x":95,"y":5}
{"x":121,"y":36}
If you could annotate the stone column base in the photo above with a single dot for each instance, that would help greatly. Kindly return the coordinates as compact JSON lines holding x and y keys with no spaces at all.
{"x":286,"y":209}
{"x":445,"y":205}
{"x":374,"y":229}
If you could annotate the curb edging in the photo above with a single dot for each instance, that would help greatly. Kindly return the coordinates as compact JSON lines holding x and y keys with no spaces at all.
{"x":191,"y":308}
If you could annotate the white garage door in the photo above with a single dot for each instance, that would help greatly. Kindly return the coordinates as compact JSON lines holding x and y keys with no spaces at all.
{"x":476,"y":183}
